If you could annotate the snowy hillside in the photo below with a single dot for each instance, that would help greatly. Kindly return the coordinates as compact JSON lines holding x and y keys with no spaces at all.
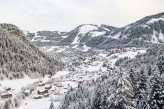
{"x":45,"y":38}
{"x":141,"y":33}
{"x":83,"y":33}
{"x":19,"y":58}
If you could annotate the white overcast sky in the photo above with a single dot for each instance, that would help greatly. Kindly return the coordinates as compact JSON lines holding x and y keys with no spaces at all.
{"x":64,"y":15}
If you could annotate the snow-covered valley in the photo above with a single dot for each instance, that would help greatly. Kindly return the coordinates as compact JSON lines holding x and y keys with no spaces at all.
{"x":82,"y":66}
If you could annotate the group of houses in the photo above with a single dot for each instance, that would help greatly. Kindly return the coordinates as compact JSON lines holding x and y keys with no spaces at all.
{"x":45,"y":89}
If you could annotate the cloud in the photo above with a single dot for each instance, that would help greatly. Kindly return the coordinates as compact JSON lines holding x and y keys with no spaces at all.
{"x":64,"y":15}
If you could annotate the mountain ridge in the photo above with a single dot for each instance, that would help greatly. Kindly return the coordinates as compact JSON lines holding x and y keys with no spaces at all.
{"x":142,"y":33}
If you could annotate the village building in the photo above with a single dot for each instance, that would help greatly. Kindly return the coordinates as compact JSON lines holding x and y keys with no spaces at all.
{"x":48,"y":86}
{"x":6,"y":95}
{"x":81,"y":81}
{"x":37,"y":97}
{"x":42,"y":91}
{"x":28,"y":92}
{"x":80,"y":77}
{"x":41,"y":84}
{"x":61,"y":93}
{"x":59,"y":84}
{"x":46,"y":95}
{"x":56,"y":92}
{"x":49,"y":76}
{"x":7,"y":88}
{"x":65,"y":87}
{"x":74,"y":80}
{"x":53,"y":89}
{"x":55,"y":83}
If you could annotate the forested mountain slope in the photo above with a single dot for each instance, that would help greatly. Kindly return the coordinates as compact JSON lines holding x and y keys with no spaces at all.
{"x":19,"y":58}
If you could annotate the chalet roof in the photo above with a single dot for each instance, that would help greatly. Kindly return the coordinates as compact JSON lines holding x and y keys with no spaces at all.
{"x":48,"y":85}
{"x":41,"y":89}
{"x":27,"y":91}
{"x":6,"y":93}
{"x":36,"y":96}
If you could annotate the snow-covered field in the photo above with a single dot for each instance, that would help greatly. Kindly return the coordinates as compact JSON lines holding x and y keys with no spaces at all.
{"x":29,"y":102}
{"x":17,"y":84}
{"x":37,"y":104}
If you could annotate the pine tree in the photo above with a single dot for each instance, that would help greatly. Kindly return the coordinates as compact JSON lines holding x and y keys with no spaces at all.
{"x":133,"y":77}
{"x":124,"y":92}
{"x":142,"y":102}
{"x":160,"y":64}
{"x":51,"y":106}
{"x":157,"y":93}
{"x":7,"y":105}
{"x":100,"y":101}
{"x":16,"y":102}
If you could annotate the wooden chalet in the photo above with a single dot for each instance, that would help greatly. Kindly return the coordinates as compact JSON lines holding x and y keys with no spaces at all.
{"x":28,"y":92}
{"x":46,"y":95}
{"x":55,"y":83}
{"x":56,"y":92}
{"x":8,"y":89}
{"x":42,"y":91}
{"x":48,"y":87}
{"x":59,"y":85}
{"x":37,"y":97}
{"x":6,"y":95}
{"x":41,"y":84}
{"x":81,"y":81}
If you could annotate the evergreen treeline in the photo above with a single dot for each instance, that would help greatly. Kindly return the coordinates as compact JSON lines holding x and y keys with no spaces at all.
{"x":19,"y":58}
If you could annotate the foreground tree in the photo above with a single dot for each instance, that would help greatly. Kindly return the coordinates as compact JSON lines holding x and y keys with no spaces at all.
{"x":51,"y":106}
